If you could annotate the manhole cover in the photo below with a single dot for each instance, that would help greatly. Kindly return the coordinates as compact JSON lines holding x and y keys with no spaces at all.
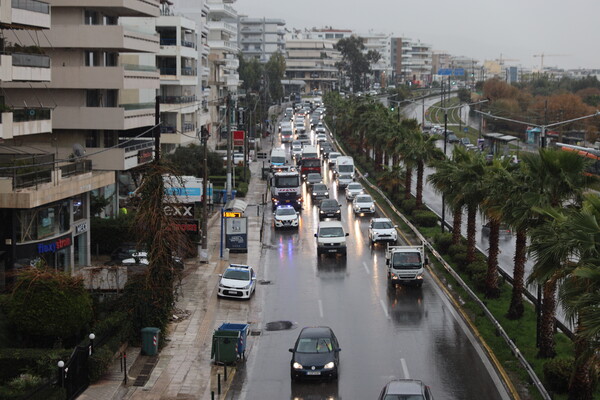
{"x":279,"y":325}
{"x":263,"y":282}
{"x":254,"y":333}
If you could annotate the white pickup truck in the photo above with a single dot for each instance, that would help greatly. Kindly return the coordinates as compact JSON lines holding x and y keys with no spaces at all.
{"x":405,"y":264}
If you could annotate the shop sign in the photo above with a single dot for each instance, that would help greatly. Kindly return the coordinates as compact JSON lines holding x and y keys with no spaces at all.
{"x":83,"y":227}
{"x":179,"y":210}
{"x":54,"y":246}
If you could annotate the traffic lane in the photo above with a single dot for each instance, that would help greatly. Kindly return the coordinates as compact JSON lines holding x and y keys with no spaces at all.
{"x":351,"y":296}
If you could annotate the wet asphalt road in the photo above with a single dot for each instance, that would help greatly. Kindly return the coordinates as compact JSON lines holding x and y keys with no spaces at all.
{"x":384,"y":333}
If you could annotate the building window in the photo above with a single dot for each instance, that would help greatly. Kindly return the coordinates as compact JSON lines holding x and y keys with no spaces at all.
{"x":111,"y":59}
{"x":91,"y":17}
{"x":110,"y":20}
{"x":43,"y":222}
{"x":91,"y":138}
{"x":79,"y":207}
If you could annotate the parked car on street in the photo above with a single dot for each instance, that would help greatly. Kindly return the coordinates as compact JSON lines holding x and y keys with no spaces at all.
{"x":237,"y":281}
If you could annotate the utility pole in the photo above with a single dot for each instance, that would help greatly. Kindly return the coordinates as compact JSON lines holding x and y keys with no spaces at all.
{"x":157,"y":130}
{"x":204,"y":138}
{"x":229,"y":144}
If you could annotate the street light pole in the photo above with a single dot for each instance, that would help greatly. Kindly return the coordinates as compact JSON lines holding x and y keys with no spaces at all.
{"x":229,"y":143}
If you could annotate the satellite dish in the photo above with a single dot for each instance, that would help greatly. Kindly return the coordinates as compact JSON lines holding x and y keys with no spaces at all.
{"x":78,"y":150}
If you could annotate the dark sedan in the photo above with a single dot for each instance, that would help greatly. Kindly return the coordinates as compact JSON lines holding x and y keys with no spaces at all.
{"x":330,"y":208}
{"x":319,"y":191}
{"x":316,"y":354}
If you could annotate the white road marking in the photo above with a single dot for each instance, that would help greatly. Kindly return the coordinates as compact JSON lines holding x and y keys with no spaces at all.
{"x":404,"y":368}
{"x":366,"y":267}
{"x":385,"y":311}
{"x":320,"y":308}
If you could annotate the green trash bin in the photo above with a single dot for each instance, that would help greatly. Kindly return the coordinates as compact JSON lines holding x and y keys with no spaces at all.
{"x":224,"y":346}
{"x":150,"y":337}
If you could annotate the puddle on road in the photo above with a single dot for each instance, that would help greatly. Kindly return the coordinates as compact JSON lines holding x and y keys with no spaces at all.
{"x":279,"y":325}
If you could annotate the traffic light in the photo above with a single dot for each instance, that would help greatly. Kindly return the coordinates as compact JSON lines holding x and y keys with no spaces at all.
{"x":392,"y":108}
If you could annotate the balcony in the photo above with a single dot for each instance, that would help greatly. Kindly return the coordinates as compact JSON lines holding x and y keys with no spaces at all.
{"x":223,"y":46}
{"x":26,"y":121}
{"x":124,"y":8}
{"x":129,"y":154}
{"x":25,"y":67}
{"x":223,"y":26}
{"x":185,"y":71}
{"x":221,"y":11}
{"x":102,"y":37}
{"x":129,"y":76}
{"x":252,"y":39}
{"x":31,"y":14}
{"x":40,"y":179}
{"x":177,"y":99}
{"x":128,"y":116}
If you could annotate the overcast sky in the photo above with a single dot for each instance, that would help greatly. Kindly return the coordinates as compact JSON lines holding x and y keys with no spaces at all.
{"x":481,"y":29}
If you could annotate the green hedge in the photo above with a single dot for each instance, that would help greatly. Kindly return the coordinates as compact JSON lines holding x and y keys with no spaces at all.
{"x":425,"y":218}
{"x":242,"y":189}
{"x":443,"y":241}
{"x":109,"y":233}
{"x":38,"y":362}
{"x":18,"y":390}
{"x":408,"y":205}
{"x":557,"y":373}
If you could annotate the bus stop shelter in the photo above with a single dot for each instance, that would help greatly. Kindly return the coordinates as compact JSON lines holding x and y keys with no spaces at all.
{"x":499,"y":143}
{"x":235,"y":226}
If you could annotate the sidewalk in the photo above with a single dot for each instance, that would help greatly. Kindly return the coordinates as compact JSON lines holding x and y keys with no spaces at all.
{"x":184,"y":369}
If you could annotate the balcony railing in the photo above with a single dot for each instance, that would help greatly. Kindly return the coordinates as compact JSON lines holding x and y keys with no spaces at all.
{"x":31,"y":114}
{"x":188,"y":127}
{"x":32,"y":5}
{"x":137,"y":106}
{"x":187,"y":43}
{"x":189,"y":71}
{"x":28,"y":170}
{"x":135,"y":144}
{"x":167,"y":129}
{"x":76,"y":168}
{"x":168,"y":41}
{"x":136,"y":67}
{"x":177,"y":99}
{"x":30,"y":60}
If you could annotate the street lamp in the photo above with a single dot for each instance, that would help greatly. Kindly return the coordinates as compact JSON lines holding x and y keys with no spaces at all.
{"x":61,"y":373}
{"x":92,"y":337}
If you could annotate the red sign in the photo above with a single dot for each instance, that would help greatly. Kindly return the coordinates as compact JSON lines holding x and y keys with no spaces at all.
{"x":238,"y":138}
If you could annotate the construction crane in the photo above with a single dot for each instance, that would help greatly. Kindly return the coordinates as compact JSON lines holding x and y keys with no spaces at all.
{"x":542,"y":55}
{"x":501,"y":60}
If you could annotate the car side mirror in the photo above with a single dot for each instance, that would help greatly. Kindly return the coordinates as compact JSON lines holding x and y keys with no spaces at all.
{"x":395,"y":226}
{"x":426,"y":260}
{"x":387,"y":261}
{"x":347,"y":234}
{"x":338,"y":349}
{"x":221,"y":275}
{"x":253,"y":278}
{"x":291,"y":350}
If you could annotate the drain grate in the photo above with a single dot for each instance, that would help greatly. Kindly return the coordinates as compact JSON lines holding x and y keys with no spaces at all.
{"x":264,"y":282}
{"x":146,"y":371}
{"x":279,"y":325}
{"x":255,"y":333}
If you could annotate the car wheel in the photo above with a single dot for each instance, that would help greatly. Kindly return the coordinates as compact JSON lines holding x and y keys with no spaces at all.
{"x":420,"y":284}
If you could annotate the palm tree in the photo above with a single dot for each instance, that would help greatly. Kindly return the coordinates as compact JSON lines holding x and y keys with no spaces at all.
{"x":559,"y":178}
{"x":408,"y":154}
{"x":443,"y":181}
{"x":425,"y":152}
{"x":571,"y":239}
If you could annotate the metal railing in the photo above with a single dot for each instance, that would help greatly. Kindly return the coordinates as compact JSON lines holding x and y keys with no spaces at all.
{"x":136,"y":67}
{"x":189,"y":71}
{"x":168,"y":41}
{"x":30,"y":60}
{"x":167,"y":129}
{"x":137,"y":106}
{"x":27,"y":170}
{"x":32,"y":5}
{"x":177,"y":99}
{"x":31,"y":114}
{"x":188,"y":126}
{"x":76,"y":168}
{"x":136,"y":144}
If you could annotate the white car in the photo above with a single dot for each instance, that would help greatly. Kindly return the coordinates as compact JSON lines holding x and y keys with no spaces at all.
{"x":363,"y":204}
{"x":382,"y":229}
{"x":353,"y":189}
{"x":296,"y":148}
{"x":332,"y":156}
{"x":286,"y":217}
{"x":237,"y":281}
{"x":320,"y":129}
{"x":343,"y":180}
{"x":321,"y":137}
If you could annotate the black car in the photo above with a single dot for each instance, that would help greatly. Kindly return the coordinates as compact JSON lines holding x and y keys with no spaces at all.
{"x":330,"y":208}
{"x":325,"y":148}
{"x":316,"y":354}
{"x":125,"y":251}
{"x":412,"y":389}
{"x":319,"y":191}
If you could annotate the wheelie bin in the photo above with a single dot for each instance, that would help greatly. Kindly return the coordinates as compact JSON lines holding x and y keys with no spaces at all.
{"x":224,"y":346}
{"x":243,"y":330}
{"x":150,"y":337}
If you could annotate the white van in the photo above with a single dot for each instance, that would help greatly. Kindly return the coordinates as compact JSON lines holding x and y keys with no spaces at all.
{"x":310,"y":152}
{"x":277,"y":157}
{"x":344,"y":165}
{"x":331,"y":238}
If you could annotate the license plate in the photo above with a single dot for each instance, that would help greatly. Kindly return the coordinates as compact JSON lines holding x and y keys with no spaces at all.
{"x":231,"y":292}
{"x":313,"y":373}
{"x":332,"y":250}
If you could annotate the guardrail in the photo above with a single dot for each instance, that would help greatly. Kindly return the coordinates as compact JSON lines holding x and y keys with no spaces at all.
{"x":514,"y":349}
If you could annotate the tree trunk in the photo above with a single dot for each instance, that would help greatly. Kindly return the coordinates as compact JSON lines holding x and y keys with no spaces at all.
{"x":516,"y":308}
{"x":456,"y":224}
{"x":547,"y":343}
{"x":581,"y":386}
{"x":407,"y":183}
{"x":471,"y":214}
{"x":491,"y":279}
{"x":420,"y":168}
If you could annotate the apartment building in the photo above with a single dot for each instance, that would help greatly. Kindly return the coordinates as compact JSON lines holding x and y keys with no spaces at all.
{"x":381,"y":43}
{"x":102,"y":112}
{"x":310,"y":65}
{"x":411,"y":61}
{"x":260,"y":38}
{"x":178,"y":64}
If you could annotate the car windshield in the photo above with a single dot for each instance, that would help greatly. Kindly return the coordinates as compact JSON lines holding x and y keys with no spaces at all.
{"x":403,"y":397}
{"x":319,"y":187}
{"x":237,"y":274}
{"x":345,"y":168}
{"x":286,"y":211}
{"x":311,"y":163}
{"x":287,"y":181}
{"x":406,"y":260}
{"x":330,"y":232}
{"x":382,"y":225}
{"x":364,"y":199}
{"x":277,"y":160}
{"x":334,"y":155}
{"x":345,"y":177}
{"x":329,"y":204}
{"x":314,"y":345}
{"x":354,"y":186}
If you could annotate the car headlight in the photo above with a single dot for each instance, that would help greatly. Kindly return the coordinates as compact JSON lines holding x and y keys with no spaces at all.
{"x":329,"y":365}
{"x":297,"y":365}
{"x":248,"y":286}
{"x":419,"y":276}
{"x":321,"y":212}
{"x":338,"y":211}
{"x":394,"y":276}
{"x":326,"y":193}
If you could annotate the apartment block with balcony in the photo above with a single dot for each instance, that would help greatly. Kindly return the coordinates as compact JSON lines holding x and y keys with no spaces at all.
{"x":381,"y":43}
{"x":310,"y":65}
{"x":44,"y":199}
{"x":222,"y":39}
{"x":412,"y":62}
{"x":260,"y":38}
{"x":179,"y":104}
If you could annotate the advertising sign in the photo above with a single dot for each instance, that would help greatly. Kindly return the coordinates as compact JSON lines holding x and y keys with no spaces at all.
{"x":236,"y":234}
{"x":238,"y":138}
